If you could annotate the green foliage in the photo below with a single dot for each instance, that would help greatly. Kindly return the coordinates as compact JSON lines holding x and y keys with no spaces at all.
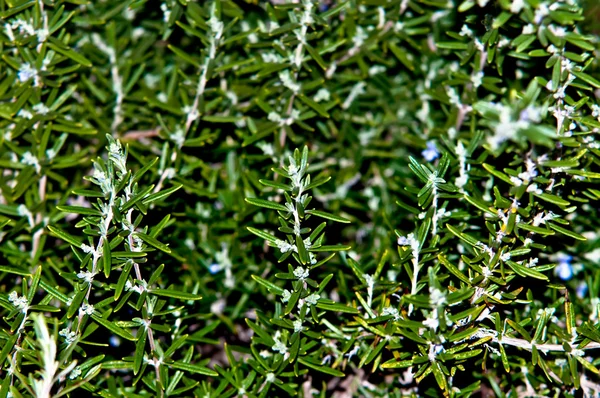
{"x":275,"y":198}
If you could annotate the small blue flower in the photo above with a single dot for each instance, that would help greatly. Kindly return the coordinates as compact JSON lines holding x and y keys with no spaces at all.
{"x":403,"y":241}
{"x":582,"y":289}
{"x":214,"y":268}
{"x":564,"y":268}
{"x":114,"y":341}
{"x":431,"y":152}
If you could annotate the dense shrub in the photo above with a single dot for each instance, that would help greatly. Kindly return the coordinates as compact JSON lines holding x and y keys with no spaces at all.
{"x":325,"y":198}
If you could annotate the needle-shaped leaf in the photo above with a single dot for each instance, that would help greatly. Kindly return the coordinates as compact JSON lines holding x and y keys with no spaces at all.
{"x":328,"y":216}
{"x":262,"y":234}
{"x":175,"y":294}
{"x":64,"y":236}
{"x":266,"y":204}
{"x":320,"y":368}
{"x":153,"y":242}
{"x":87,"y":211}
{"x":191,"y":368}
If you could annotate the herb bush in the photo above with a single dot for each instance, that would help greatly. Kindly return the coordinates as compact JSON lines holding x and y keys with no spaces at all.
{"x":324,"y":198}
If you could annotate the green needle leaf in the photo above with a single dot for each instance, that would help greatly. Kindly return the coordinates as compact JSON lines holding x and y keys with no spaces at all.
{"x":175,"y":294}
{"x":328,"y":216}
{"x":153,"y":242}
{"x":266,"y":204}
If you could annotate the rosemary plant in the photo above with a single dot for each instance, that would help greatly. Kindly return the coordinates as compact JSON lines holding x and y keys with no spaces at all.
{"x":443,"y":240}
